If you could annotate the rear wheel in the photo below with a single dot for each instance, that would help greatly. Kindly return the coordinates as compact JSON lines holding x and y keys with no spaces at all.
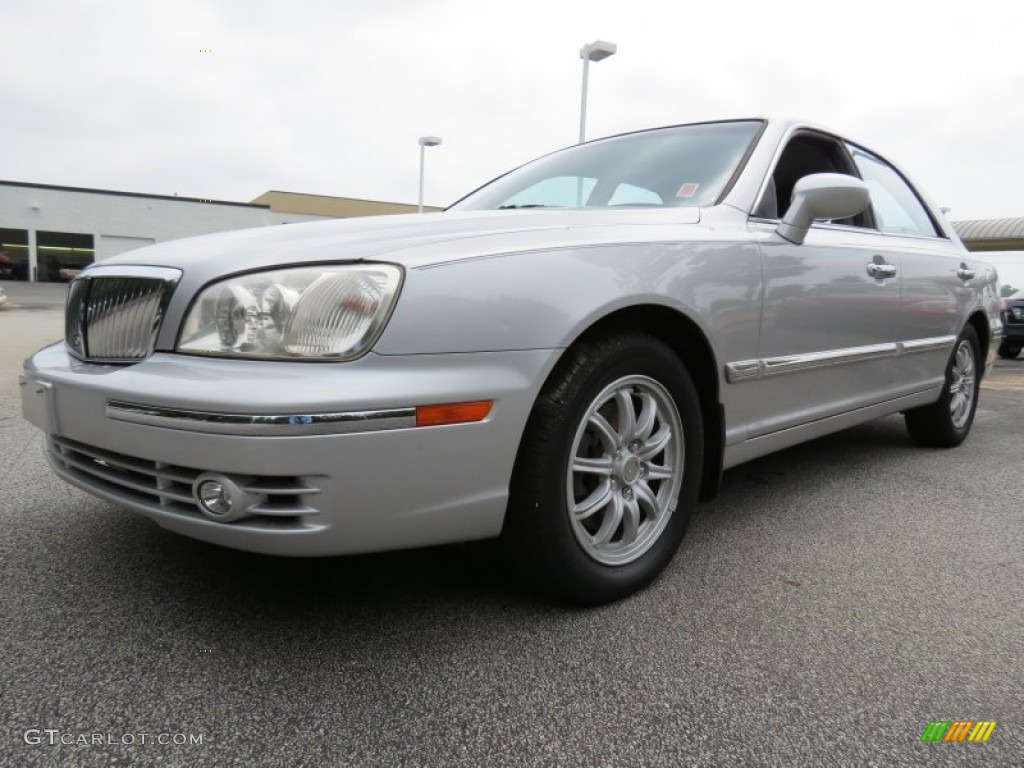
{"x":946,"y":423}
{"x":608,"y":470}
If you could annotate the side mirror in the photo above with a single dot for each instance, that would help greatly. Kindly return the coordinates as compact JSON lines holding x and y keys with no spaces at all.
{"x":822,"y":196}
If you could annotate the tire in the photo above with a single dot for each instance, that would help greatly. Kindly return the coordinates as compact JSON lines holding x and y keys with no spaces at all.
{"x":608,"y":470}
{"x":1009,"y":349}
{"x":946,"y":423}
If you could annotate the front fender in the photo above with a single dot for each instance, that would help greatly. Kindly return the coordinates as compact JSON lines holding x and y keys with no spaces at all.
{"x":547,"y":298}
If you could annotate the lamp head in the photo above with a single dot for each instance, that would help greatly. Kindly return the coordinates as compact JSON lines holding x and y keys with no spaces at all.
{"x":598,"y":50}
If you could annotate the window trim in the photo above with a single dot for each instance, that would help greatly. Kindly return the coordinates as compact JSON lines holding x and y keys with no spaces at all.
{"x":939,"y":231}
{"x":741,"y":166}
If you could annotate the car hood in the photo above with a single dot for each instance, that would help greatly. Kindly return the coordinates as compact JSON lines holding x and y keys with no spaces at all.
{"x":411,"y":240}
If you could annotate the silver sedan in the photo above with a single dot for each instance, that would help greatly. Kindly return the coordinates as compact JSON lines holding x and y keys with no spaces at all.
{"x":566,"y":358}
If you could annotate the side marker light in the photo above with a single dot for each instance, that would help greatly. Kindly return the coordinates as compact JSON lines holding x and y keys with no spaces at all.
{"x":452,"y":413}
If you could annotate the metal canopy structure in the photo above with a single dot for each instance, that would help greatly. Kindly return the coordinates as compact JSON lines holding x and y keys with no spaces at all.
{"x":992,"y":234}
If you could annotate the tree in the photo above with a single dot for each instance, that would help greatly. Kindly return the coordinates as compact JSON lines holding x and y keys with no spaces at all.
{"x":1007,"y":290}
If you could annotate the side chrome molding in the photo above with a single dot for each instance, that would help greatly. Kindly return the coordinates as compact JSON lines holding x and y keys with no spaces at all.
{"x":749,"y":370}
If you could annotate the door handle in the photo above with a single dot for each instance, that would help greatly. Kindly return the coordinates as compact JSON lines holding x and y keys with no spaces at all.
{"x":964,"y":273}
{"x":881,"y":271}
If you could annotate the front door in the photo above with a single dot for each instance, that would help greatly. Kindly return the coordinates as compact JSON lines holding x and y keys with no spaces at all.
{"x":828,"y":328}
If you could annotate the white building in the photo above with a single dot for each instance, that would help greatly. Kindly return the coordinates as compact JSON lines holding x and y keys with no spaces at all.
{"x":46,"y":229}
{"x":48,"y":233}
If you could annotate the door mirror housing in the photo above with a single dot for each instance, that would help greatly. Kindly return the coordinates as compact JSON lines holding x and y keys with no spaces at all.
{"x":822,"y":196}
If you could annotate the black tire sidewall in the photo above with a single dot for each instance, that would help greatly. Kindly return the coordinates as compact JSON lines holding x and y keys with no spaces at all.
{"x":971,"y":336}
{"x":933,"y":425}
{"x":541,"y":505}
{"x":1009,"y":350}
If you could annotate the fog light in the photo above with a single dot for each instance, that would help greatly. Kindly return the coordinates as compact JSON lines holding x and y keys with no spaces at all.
{"x":219,"y":498}
{"x":214,"y":499}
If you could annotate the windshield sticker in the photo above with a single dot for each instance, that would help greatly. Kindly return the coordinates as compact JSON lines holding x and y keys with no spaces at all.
{"x":689,"y":189}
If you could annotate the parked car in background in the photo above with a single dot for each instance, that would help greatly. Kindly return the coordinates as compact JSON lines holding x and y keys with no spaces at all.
{"x":566,"y":358}
{"x":1012,"y":315}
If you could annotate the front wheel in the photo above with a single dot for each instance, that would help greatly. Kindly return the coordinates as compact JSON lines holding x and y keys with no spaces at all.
{"x":945,"y":424}
{"x":608,"y":470}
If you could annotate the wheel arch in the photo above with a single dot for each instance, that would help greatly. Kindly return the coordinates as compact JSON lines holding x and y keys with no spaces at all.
{"x":684,"y":337}
{"x":981,"y":327}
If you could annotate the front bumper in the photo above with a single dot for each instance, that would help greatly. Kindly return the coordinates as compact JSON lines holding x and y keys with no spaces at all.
{"x":316,"y":489}
{"x":1013,"y":330}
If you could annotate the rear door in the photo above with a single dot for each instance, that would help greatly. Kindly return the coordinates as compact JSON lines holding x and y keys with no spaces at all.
{"x":937,"y":279}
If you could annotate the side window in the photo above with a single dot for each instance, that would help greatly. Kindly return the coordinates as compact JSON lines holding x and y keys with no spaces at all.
{"x":805,"y":154}
{"x":897,"y":208}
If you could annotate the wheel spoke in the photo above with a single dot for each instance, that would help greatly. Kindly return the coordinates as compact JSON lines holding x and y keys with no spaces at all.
{"x":610,"y":524}
{"x":960,"y":405}
{"x":645,"y":422}
{"x":646,"y":497}
{"x":599,"y":498}
{"x":604,"y":430}
{"x":657,"y":472}
{"x":627,"y":418}
{"x":656,"y":443}
{"x":965,"y":362}
{"x":630,"y":521}
{"x":599,"y":466}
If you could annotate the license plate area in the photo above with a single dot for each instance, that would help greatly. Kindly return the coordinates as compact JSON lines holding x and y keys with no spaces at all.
{"x":37,"y":403}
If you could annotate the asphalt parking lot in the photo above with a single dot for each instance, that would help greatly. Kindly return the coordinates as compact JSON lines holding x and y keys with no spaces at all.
{"x":833,"y":601}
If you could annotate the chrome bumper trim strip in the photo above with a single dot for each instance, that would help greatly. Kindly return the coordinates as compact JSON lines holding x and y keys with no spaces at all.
{"x":262,"y":425}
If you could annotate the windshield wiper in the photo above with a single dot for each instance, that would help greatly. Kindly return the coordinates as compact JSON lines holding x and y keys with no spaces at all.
{"x":528,"y":205}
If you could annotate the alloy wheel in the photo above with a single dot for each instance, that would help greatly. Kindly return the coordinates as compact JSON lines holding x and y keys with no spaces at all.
{"x":625,"y":470}
{"x":961,"y":388}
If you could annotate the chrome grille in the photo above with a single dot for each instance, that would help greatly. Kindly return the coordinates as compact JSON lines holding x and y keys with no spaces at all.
{"x":276,"y":502}
{"x":114,"y":313}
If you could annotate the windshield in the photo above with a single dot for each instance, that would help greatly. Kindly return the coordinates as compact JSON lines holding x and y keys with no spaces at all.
{"x":688,"y":165}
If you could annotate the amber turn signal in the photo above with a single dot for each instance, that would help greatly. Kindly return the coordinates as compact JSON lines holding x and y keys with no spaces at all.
{"x":452,"y":413}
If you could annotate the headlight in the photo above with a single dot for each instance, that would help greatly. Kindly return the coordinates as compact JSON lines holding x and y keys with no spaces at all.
{"x":309,"y":313}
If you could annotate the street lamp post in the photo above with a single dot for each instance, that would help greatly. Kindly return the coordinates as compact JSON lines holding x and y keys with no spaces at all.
{"x":425,"y":141}
{"x":595,"y":51}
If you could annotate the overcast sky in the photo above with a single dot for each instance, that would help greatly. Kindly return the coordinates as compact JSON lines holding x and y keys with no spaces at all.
{"x":224,"y":99}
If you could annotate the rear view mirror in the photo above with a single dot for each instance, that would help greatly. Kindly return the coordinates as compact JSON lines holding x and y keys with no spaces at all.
{"x":822,"y":196}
